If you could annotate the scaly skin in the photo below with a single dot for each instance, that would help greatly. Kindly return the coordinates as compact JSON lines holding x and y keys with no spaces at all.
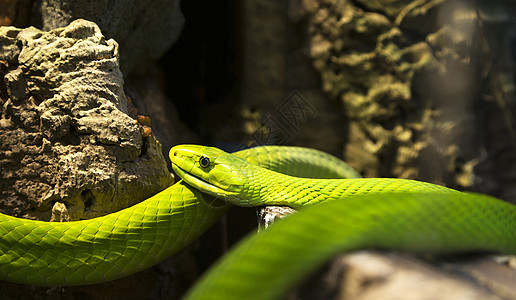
{"x":370,"y":213}
{"x":237,"y":181}
{"x":269,"y":264}
{"x":130,"y":240}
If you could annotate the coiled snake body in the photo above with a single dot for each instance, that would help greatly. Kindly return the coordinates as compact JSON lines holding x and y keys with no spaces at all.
{"x":130,"y":240}
{"x":385,"y":213}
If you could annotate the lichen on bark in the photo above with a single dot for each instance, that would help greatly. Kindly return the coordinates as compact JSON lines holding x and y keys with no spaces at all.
{"x":407,"y":75}
{"x":68,"y":149}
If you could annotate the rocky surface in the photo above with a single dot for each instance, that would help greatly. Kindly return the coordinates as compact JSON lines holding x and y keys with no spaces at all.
{"x":68,"y":149}
{"x":406,"y":82}
{"x":143,"y":29}
{"x":375,"y":275}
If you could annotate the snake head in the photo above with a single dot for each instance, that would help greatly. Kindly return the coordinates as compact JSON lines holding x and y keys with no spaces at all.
{"x":209,"y":169}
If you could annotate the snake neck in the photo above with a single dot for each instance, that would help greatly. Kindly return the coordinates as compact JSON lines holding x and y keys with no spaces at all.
{"x":265,"y":187}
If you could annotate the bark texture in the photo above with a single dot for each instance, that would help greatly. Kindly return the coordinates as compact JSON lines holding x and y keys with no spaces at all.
{"x":68,"y":148}
{"x":143,"y":29}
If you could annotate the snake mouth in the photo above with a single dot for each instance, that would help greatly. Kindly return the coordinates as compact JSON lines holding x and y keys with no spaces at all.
{"x":200,"y":184}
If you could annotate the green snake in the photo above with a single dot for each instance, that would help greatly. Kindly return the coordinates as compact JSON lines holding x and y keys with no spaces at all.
{"x":133,"y":239}
{"x":356,"y":213}
{"x":381,"y":213}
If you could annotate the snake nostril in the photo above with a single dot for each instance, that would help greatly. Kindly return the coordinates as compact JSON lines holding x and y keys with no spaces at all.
{"x":175,"y":153}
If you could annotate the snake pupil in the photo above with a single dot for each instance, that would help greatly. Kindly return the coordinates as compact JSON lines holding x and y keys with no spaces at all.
{"x":204,"y":162}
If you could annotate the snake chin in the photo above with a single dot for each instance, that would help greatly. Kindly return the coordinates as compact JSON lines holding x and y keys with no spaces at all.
{"x":213,"y":202}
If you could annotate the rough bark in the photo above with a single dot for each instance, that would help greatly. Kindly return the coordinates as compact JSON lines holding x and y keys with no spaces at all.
{"x":143,"y":29}
{"x":68,"y":148}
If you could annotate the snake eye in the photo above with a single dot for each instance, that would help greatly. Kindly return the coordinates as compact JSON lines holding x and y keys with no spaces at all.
{"x":204,"y":161}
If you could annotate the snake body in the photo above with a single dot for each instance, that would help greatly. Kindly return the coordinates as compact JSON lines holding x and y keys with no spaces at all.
{"x":130,"y":240}
{"x":235,"y":180}
{"x":269,"y":264}
{"x":365,"y":213}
